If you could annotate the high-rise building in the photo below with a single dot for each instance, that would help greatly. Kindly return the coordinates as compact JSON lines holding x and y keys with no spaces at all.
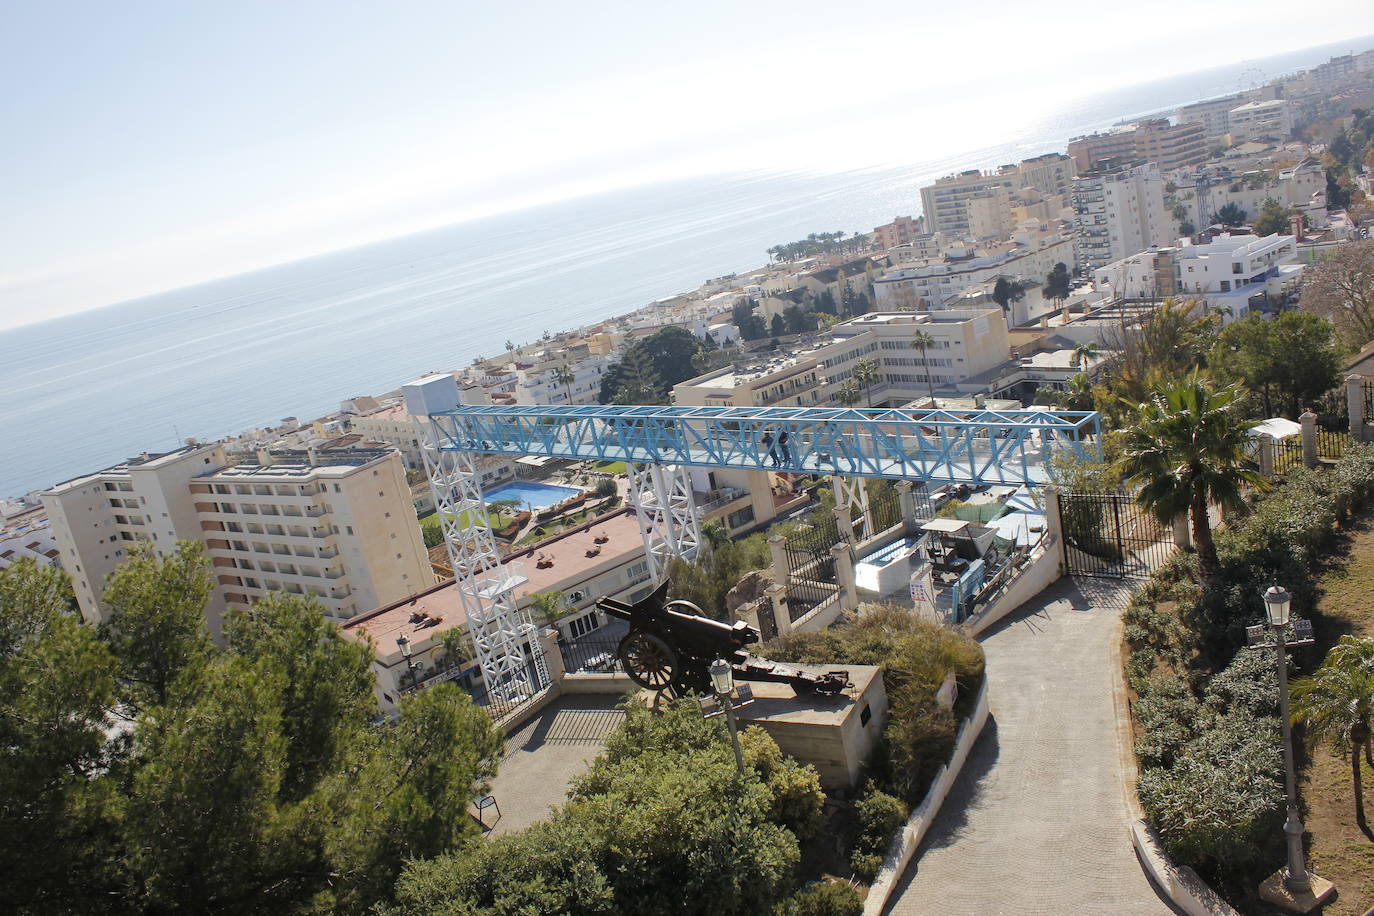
{"x":1169,"y":146}
{"x":947,"y":203}
{"x":341,"y":528}
{"x":1119,"y":210}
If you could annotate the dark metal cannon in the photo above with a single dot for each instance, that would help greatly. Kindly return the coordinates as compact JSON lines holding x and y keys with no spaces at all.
{"x":671,"y":645}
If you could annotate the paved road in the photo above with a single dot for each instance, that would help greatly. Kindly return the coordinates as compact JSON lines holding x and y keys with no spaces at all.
{"x":1037,"y":821}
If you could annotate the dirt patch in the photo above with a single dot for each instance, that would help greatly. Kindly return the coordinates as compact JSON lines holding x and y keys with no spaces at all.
{"x":1338,"y":850}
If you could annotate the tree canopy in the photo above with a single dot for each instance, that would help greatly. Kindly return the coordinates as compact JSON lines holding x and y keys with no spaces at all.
{"x":743,"y":315}
{"x":661,"y":822}
{"x":651,"y":367}
{"x":1273,"y":218}
{"x":1058,"y":284}
{"x":1289,"y":362}
{"x":144,"y":769}
{"x":1340,"y":288}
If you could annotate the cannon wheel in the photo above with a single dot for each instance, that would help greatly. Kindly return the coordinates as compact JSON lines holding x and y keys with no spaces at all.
{"x":648,"y":660}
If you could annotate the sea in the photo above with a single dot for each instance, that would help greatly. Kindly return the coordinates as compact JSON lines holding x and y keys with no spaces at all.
{"x":86,"y":391}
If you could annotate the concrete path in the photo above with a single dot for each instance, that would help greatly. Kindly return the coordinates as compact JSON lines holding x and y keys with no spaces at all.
{"x":1037,"y":821}
{"x":543,"y":756}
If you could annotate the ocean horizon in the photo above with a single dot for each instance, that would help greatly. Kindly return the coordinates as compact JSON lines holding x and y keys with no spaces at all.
{"x":87,"y":390}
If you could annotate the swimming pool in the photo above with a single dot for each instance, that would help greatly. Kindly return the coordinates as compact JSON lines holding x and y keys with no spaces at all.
{"x":532,"y":496}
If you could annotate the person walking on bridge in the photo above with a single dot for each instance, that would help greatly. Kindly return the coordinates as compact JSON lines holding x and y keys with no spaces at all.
{"x":768,"y":445}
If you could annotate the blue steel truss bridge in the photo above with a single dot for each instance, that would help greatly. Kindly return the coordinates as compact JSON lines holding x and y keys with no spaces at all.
{"x":659,"y":444}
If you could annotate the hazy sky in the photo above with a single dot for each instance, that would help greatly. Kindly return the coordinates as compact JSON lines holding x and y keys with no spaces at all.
{"x":149,"y":145}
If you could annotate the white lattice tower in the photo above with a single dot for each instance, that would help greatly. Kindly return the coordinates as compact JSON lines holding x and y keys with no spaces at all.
{"x":851,"y":492}
{"x":506,"y":641}
{"x":662,"y":498}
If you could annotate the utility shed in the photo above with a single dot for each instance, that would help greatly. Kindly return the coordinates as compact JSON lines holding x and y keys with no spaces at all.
{"x":833,"y":734}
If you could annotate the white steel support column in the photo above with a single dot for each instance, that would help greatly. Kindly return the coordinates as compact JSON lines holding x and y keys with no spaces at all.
{"x":851,"y":492}
{"x":662,"y":498}
{"x":508,"y":649}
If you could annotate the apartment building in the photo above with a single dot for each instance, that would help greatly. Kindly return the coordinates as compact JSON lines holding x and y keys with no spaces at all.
{"x":342,"y":529}
{"x":1119,"y":210}
{"x":26,"y":534}
{"x":899,"y":232}
{"x":1228,"y":273}
{"x":1051,"y":173}
{"x":1205,"y":191}
{"x":1253,"y":120}
{"x":933,"y":284}
{"x":964,"y":343}
{"x":392,"y":425}
{"x":538,"y":382}
{"x":1213,"y":115}
{"x":957,"y":204}
{"x":1168,"y":146}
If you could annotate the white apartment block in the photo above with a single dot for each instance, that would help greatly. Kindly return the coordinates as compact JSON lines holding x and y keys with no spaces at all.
{"x":27,"y":535}
{"x":1051,"y":173}
{"x":343,"y":531}
{"x":1253,"y":120}
{"x":1226,"y":273}
{"x":537,"y":380}
{"x":1303,"y":186}
{"x":1119,"y":212}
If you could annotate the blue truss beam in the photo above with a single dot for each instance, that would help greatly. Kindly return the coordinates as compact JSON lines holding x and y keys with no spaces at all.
{"x":939,"y":446}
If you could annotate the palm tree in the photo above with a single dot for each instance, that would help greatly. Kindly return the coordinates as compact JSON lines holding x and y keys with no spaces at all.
{"x":1079,"y":394}
{"x":1187,"y":450}
{"x":564,"y":376}
{"x":715,"y":534}
{"x":1337,"y":705}
{"x":1082,"y":353}
{"x":849,"y":393}
{"x":866,"y":375}
{"x":921,"y":340}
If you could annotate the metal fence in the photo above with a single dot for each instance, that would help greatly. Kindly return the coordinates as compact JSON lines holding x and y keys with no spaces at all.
{"x":591,"y":655}
{"x":1287,"y":454}
{"x":1108,"y":535}
{"x":811,"y":567}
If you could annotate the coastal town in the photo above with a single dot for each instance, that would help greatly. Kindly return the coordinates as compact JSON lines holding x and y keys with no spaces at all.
{"x":1026,"y":287}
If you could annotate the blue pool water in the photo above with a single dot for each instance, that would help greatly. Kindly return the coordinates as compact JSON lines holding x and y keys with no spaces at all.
{"x":532,"y":496}
{"x":885,"y":555}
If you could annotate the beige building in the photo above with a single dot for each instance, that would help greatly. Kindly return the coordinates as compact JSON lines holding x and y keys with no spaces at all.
{"x":343,"y":530}
{"x":950,"y":202}
{"x":604,"y":557}
{"x":1272,"y":120}
{"x":392,"y":425}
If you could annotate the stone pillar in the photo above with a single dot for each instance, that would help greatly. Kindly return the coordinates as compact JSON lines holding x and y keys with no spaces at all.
{"x":845,"y":520}
{"x":1354,"y":404}
{"x":777,"y":544}
{"x":907,"y":499}
{"x":844,"y":576}
{"x":1309,"y":437}
{"x":1266,"y":455}
{"x":1183,"y":539}
{"x":778,"y":595}
{"x":1054,"y":527}
{"x":553,"y":657}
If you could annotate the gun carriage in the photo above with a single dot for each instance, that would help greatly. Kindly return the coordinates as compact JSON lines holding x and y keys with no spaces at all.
{"x":671,"y":644}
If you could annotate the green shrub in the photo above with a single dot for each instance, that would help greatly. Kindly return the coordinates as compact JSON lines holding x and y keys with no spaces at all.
{"x":823,"y":898}
{"x":866,"y":865}
{"x":605,"y":487}
{"x":916,"y":655}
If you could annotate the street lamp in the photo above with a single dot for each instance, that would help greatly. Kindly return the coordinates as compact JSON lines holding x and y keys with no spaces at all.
{"x":723,"y":683}
{"x":1277,"y":606}
{"x":403,"y":643}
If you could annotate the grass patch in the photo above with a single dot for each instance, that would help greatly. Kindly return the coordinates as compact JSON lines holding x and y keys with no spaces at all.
{"x":1338,"y":851}
{"x":465,"y":520}
{"x":612,"y":467}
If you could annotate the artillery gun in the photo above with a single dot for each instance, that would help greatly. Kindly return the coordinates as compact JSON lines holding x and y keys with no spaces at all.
{"x":671,"y":645}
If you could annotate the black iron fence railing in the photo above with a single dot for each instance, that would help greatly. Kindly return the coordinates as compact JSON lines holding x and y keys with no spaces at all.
{"x":591,"y":656}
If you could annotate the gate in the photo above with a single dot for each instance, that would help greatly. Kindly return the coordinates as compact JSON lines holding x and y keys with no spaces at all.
{"x":811,"y":567}
{"x":1108,"y":535}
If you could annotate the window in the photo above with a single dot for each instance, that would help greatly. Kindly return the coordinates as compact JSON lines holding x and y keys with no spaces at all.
{"x":635,"y":570}
{"x":583,"y":625}
{"x":349,"y":528}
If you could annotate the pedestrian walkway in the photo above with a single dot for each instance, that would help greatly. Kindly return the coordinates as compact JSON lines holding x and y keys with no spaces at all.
{"x":1038,"y":820}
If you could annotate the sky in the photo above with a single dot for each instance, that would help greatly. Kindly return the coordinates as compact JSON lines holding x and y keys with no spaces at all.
{"x":152,"y":145}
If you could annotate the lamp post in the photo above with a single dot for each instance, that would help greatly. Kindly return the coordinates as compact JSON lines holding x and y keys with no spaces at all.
{"x":1298,"y":883}
{"x":403,"y":643}
{"x":723,"y":683}
{"x":1277,"y":603}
